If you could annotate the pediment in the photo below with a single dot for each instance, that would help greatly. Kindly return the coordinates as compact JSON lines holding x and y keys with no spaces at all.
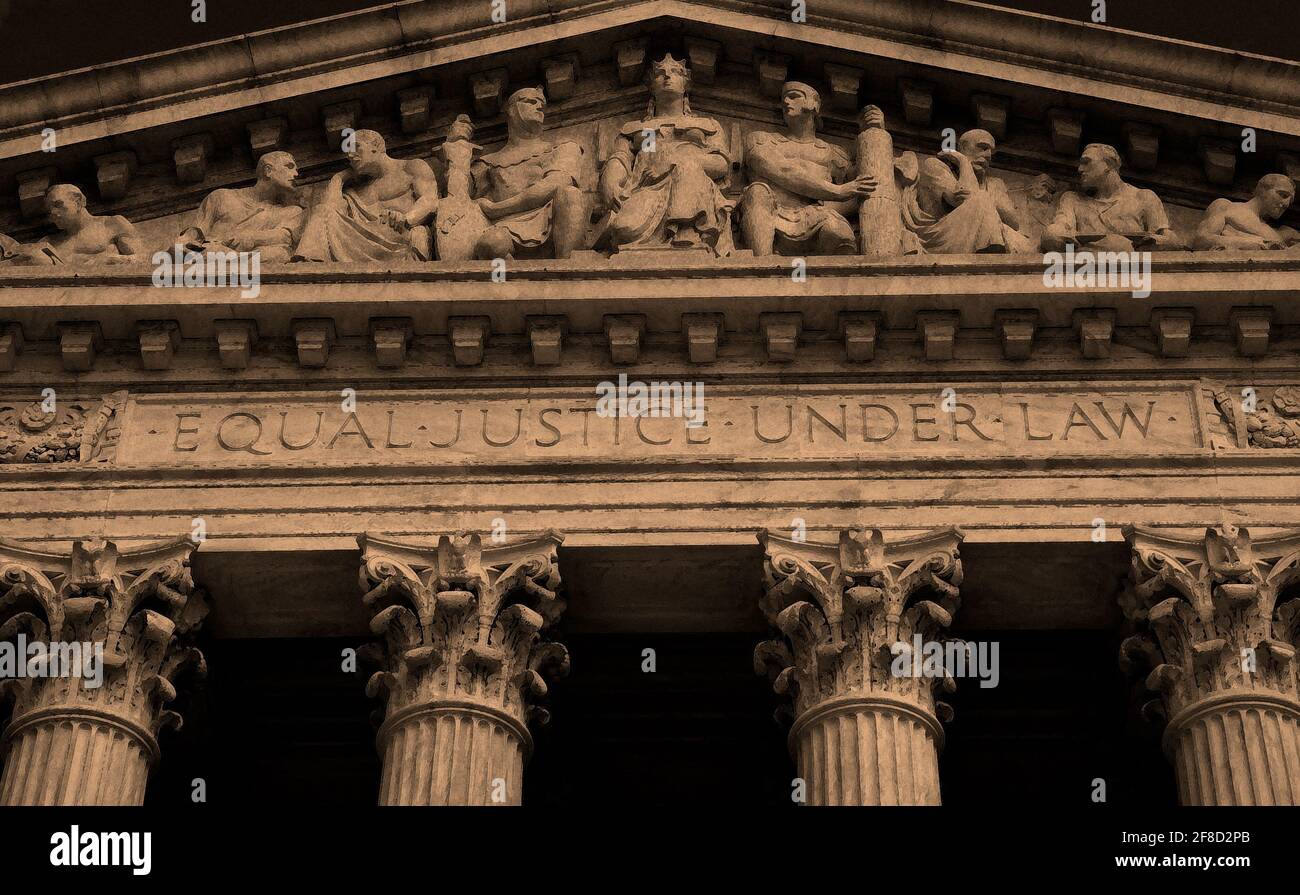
{"x":408,"y":72}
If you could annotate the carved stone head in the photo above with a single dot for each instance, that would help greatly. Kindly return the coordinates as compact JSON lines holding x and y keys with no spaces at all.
{"x":669,"y":78}
{"x":64,"y":203}
{"x":978,"y":145}
{"x":1275,"y":193}
{"x":1098,"y":164}
{"x":800,"y":100}
{"x":279,"y":168}
{"x":369,"y":152}
{"x":526,"y":109}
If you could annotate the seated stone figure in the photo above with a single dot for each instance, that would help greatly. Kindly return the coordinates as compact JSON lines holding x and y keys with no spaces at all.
{"x":265,"y":217}
{"x":955,"y":208}
{"x":801,"y":187}
{"x":528,"y":189}
{"x":83,"y":238}
{"x":1249,"y":224}
{"x":378,"y":210}
{"x":661,"y":181}
{"x":1109,"y":215}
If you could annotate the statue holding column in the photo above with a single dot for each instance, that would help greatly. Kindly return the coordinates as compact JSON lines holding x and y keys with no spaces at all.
{"x":801,"y":187}
{"x":661,"y":182}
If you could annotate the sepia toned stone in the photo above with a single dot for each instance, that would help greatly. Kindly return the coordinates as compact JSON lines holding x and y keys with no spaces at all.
{"x":235,"y":341}
{"x":780,"y":332}
{"x":801,"y":187}
{"x":378,"y":209}
{"x":1238,"y":226}
{"x":390,"y":337}
{"x":1218,"y":632}
{"x":661,"y":181}
{"x":861,"y":734}
{"x":1109,"y":215}
{"x":1173,"y":330}
{"x":859,"y":330}
{"x":266,"y":218}
{"x":938,"y":331}
{"x":314,"y":338}
{"x":462,"y":663}
{"x":83,"y":238}
{"x":69,"y":742}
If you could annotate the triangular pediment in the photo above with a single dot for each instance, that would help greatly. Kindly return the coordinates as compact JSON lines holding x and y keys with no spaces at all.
{"x":180,"y":124}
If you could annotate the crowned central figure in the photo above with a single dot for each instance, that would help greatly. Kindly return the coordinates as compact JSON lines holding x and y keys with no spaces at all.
{"x":661,"y":182}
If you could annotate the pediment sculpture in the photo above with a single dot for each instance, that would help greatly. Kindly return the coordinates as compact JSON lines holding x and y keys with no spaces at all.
{"x":670,"y":180}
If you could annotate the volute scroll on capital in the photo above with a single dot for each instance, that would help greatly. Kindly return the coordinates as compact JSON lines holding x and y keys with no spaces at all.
{"x":140,"y":605}
{"x":843,"y":610}
{"x":1215,"y":615}
{"x":461,"y":622}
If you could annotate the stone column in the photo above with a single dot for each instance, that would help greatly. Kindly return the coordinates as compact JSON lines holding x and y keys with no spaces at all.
{"x":866,"y":727}
{"x":462,"y":663}
{"x":69,"y":739}
{"x":1218,"y":630}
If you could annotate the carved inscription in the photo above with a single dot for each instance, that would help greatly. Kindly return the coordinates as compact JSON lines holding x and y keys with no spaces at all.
{"x":471,"y":427}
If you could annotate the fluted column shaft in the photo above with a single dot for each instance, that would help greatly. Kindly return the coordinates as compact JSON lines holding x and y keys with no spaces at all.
{"x":1217,"y":623}
{"x":452,"y":755}
{"x":1237,"y":749}
{"x":110,"y":642}
{"x":66,"y":756}
{"x":868,"y":751}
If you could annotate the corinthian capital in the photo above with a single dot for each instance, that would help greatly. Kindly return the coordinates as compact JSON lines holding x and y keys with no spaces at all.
{"x":139,"y":606}
{"x":846,"y":611}
{"x":100,"y":637}
{"x":1213,"y":613}
{"x":460,"y":623}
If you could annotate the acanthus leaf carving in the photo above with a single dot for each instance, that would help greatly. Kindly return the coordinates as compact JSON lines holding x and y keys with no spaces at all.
{"x":459,"y":622}
{"x":846,"y":611}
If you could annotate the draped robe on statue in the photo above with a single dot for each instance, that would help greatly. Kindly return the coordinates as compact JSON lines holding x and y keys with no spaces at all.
{"x":343,"y":228}
{"x":667,"y":189}
{"x":973,"y":226}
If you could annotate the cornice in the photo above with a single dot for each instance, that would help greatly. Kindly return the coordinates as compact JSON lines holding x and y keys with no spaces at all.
{"x":399,"y":38}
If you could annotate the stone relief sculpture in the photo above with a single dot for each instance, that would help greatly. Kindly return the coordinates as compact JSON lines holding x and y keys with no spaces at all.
{"x":266,"y":217}
{"x":1271,"y":423}
{"x":83,"y":238}
{"x":661,"y":183}
{"x":1249,"y":224}
{"x":528,"y":190}
{"x":661,"y":187}
{"x":952,"y":206}
{"x":1040,"y":207}
{"x":1109,"y":214}
{"x":379,"y":210}
{"x":75,"y":432}
{"x":801,"y":187}
{"x":459,"y":222}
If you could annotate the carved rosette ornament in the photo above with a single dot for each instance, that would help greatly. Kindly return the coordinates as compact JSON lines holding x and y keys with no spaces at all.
{"x":849,"y":616}
{"x":1218,"y":629}
{"x":462,"y":663}
{"x":82,"y":732}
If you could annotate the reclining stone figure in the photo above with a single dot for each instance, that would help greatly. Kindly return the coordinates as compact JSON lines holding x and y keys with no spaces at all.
{"x":1249,"y":225}
{"x":83,"y":238}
